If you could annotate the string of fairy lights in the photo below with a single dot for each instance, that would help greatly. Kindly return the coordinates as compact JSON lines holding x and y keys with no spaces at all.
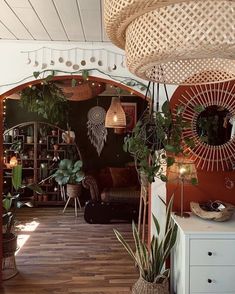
{"x":84,"y":75}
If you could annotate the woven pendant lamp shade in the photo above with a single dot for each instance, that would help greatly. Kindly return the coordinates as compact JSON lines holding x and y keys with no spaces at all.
{"x":175,"y":42}
{"x":115,"y":116}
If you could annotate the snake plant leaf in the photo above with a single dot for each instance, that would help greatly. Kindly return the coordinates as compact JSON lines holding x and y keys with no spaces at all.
{"x":168,"y":214}
{"x":125,"y":245}
{"x":156,"y":223}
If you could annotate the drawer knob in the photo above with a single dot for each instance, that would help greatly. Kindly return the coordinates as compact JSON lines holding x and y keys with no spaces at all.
{"x":210,"y":253}
{"x":209,"y":281}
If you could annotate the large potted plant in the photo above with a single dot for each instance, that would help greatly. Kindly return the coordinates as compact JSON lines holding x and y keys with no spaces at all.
{"x":69,"y":173}
{"x":150,"y":260}
{"x":11,"y":202}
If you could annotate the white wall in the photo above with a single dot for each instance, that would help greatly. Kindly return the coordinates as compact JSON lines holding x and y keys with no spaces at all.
{"x":14,"y":69}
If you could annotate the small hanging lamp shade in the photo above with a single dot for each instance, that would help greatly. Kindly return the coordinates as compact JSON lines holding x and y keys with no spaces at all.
{"x":115,"y":117}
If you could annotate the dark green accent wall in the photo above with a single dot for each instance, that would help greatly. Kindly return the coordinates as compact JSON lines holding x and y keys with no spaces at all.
{"x":112,"y":153}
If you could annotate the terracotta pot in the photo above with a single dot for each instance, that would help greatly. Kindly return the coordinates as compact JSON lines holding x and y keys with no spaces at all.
{"x":144,"y":287}
{"x":74,"y":190}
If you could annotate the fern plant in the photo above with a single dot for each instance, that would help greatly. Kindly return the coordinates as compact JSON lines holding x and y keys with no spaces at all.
{"x":151,"y":260}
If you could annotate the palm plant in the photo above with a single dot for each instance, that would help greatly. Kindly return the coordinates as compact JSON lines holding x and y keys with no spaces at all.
{"x":151,"y":260}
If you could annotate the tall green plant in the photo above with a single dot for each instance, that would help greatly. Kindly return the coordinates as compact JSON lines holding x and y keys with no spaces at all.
{"x":11,"y":202}
{"x":151,"y":260}
{"x":46,"y":100}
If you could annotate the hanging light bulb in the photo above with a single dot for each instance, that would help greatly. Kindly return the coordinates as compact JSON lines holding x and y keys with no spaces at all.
{"x":115,"y":116}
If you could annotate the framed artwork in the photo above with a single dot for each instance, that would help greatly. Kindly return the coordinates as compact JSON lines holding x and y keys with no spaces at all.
{"x":131,"y":115}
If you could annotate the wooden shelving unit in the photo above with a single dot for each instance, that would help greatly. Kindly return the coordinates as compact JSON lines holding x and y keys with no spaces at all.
{"x":39,"y":158}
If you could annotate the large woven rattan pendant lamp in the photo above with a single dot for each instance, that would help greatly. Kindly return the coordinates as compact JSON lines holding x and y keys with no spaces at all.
{"x":115,"y":116}
{"x":175,"y":41}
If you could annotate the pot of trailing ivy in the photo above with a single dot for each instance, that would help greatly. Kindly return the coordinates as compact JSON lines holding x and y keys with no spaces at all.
{"x":156,"y":140}
{"x":69,"y":173}
{"x":47,"y":100}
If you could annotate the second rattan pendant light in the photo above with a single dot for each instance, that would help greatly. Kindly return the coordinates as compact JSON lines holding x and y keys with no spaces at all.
{"x":115,"y":116}
{"x":175,"y":41}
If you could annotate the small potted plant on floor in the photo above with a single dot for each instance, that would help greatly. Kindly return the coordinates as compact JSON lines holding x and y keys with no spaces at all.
{"x":70,"y":174}
{"x":151,"y":260}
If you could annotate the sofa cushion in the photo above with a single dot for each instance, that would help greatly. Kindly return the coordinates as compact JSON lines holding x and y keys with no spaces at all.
{"x":124,"y":177}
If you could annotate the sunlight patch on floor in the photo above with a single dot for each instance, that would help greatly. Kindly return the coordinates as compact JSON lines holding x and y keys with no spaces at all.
{"x":27,"y":227}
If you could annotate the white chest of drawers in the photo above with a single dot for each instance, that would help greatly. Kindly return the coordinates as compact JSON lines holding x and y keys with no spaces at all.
{"x":203,"y":259}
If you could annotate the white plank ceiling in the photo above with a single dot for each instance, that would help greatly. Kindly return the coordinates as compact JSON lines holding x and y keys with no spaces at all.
{"x":52,"y":20}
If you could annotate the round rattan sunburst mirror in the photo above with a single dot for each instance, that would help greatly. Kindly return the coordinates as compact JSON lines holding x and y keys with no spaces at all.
{"x":183,"y":42}
{"x":210,"y":126}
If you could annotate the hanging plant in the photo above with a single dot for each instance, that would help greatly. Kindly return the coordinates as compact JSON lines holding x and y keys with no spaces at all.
{"x":156,"y":140}
{"x":47,"y":100}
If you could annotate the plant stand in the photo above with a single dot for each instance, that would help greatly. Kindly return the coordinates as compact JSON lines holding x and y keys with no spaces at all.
{"x":73,"y":192}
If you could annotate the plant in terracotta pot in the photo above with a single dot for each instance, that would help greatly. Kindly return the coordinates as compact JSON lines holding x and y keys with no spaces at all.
{"x":69,"y":173}
{"x":150,"y":260}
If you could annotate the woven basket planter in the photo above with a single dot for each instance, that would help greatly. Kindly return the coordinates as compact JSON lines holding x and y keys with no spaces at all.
{"x":9,"y":244}
{"x":74,"y":191}
{"x":144,"y":287}
{"x":175,"y":42}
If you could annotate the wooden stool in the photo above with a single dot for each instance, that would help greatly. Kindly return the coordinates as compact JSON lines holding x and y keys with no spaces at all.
{"x":73,"y":192}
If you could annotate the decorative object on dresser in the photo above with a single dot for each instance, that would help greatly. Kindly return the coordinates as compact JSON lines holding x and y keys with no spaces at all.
{"x":203,"y":259}
{"x":150,"y":260}
{"x":213,"y":210}
{"x":183,"y":171}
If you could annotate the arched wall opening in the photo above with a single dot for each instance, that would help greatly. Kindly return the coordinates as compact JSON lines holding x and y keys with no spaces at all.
{"x":57,"y":78}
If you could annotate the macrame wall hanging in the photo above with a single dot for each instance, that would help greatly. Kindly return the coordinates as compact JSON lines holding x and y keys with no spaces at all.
{"x":97,"y":132}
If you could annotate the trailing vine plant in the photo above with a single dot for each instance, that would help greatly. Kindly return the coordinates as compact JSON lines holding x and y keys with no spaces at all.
{"x":47,"y":100}
{"x":156,"y":140}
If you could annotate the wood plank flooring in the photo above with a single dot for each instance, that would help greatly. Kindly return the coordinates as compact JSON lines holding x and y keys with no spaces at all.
{"x":66,"y":255}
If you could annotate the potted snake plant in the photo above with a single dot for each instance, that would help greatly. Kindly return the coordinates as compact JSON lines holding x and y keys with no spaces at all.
{"x":69,"y":173}
{"x":150,"y":260}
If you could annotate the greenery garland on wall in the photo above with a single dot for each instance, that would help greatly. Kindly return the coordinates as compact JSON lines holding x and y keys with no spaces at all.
{"x":48,"y":74}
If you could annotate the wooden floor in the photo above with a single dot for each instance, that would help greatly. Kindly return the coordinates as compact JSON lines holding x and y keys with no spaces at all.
{"x":66,"y":255}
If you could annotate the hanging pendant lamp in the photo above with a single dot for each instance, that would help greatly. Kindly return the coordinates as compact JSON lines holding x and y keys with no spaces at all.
{"x":115,"y":117}
{"x":183,"y":42}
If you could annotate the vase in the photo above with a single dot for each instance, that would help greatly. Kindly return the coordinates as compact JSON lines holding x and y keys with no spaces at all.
{"x":143,"y":287}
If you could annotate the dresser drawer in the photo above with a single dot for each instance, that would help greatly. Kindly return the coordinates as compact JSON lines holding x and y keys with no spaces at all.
{"x":210,"y":279}
{"x":212,"y":252}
